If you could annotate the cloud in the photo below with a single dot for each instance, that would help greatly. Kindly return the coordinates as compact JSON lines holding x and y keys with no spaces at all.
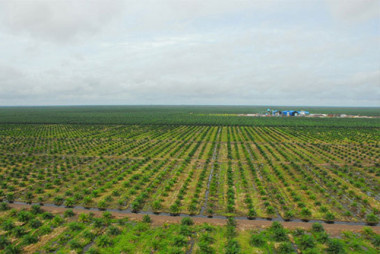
{"x":58,"y":21}
{"x":183,"y":52}
{"x":222,"y":71}
{"x":354,"y":10}
{"x":72,"y":20}
{"x":8,"y":73}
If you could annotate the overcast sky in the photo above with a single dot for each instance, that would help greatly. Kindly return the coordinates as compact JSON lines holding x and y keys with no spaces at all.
{"x":268,"y":52}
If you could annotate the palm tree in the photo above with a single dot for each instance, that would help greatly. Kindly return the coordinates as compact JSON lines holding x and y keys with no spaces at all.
{"x":252,"y":213}
{"x":104,"y":241}
{"x":87,"y":201}
{"x":10,"y":197}
{"x":329,"y":217}
{"x":58,"y":200}
{"x":156,"y":205}
{"x":29,"y":197}
{"x":306,"y":213}
{"x":174,"y":209}
{"x":69,"y":202}
{"x":372,"y":219}
{"x":192,"y":208}
{"x":102,"y":205}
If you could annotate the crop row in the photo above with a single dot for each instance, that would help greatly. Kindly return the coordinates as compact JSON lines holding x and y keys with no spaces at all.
{"x":37,"y":231}
{"x":208,"y":170}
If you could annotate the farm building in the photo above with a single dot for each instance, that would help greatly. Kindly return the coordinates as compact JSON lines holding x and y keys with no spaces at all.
{"x":275,"y":112}
{"x":294,"y":113}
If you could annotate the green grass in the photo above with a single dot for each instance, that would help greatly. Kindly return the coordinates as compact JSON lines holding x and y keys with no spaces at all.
{"x":89,"y":234}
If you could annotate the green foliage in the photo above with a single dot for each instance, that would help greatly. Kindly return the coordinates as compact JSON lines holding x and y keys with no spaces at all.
{"x":206,"y":248}
{"x":36,"y":209}
{"x":47,"y":216}
{"x":4,"y":241}
{"x":35,"y":223}
{"x":75,"y":245}
{"x":57,"y":220}
{"x":99,"y":222}
{"x":147,"y":219}
{"x":257,"y":240}
{"x":88,"y":234}
{"x":376,"y":240}
{"x":156,"y":205}
{"x":322,"y":237}
{"x":306,"y":213}
{"x":10,"y":197}
{"x":112,"y":230}
{"x":289,"y":214}
{"x":231,"y":222}
{"x":107,"y":215}
{"x":278,"y":232}
{"x":252,"y":213}
{"x":104,"y":241}
{"x":44,"y":230}
{"x":317,"y":227}
{"x":174,"y":209}
{"x":102,"y":204}
{"x":187,"y":221}
{"x":306,"y":242}
{"x":117,"y":236}
{"x":7,"y":225}
{"x":92,"y":251}
{"x":285,"y":248}
{"x":335,"y":246}
{"x":75,"y":226}
{"x":12,"y":249}
{"x":84,"y":217}
{"x":68,"y":213}
{"x":69,"y":202}
{"x":372,"y":218}
{"x":299,"y":232}
{"x":271,"y":210}
{"x":329,"y":216}
{"x":206,"y":238}
{"x":179,"y":241}
{"x":30,"y":239}
{"x":18,"y":231}
{"x":4,"y":206}
{"x":24,"y":216}
{"x":232,"y":247}
{"x":185,"y":230}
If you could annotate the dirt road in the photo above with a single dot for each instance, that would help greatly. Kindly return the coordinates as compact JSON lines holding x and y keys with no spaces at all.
{"x":332,"y":229}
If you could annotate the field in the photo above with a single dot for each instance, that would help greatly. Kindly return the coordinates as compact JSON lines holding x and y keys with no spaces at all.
{"x":184,"y":161}
{"x":39,"y":231}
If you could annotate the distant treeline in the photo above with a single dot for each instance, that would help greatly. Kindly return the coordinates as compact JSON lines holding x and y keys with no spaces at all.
{"x":181,"y":115}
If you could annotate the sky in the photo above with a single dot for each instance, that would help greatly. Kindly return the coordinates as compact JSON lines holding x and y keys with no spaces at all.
{"x":190,"y":52}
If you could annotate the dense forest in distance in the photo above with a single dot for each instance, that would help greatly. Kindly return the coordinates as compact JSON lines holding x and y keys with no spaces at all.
{"x":187,"y":115}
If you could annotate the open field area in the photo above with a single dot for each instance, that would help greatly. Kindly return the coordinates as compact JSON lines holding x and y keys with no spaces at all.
{"x":292,"y":169}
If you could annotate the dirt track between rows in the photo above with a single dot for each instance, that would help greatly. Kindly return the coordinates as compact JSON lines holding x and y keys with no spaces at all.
{"x":332,"y":229}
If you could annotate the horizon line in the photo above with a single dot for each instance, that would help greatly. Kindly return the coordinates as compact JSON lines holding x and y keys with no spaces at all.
{"x":183,"y":105}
